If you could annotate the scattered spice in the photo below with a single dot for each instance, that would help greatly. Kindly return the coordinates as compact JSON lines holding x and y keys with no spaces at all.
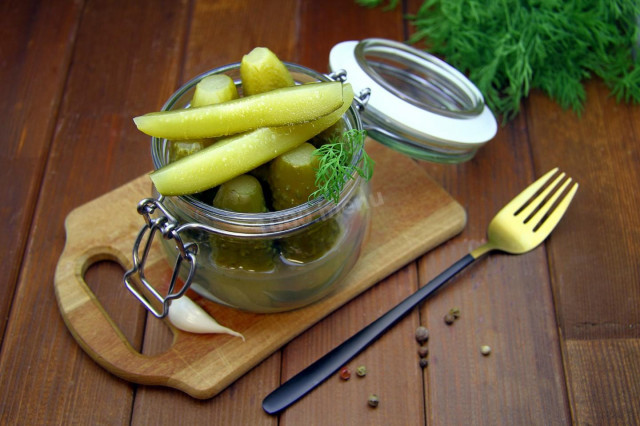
{"x":345,"y":373}
{"x":422,"y":334}
{"x":455,"y":312}
{"x":361,"y":371}
{"x":449,"y":319}
{"x":423,"y":362}
{"x":485,"y":350}
{"x":373,"y":400}
{"x":423,"y":351}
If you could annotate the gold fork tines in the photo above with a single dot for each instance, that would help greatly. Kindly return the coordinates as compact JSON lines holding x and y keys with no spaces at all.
{"x":530,"y":217}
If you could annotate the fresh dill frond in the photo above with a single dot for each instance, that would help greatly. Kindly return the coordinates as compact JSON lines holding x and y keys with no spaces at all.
{"x":510,"y":47}
{"x":336,"y":164}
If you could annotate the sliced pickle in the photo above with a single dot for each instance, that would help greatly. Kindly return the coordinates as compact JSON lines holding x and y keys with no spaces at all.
{"x":290,"y":105}
{"x":238,"y":155}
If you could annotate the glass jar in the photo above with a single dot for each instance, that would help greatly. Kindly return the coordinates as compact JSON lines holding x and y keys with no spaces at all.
{"x":269,"y":262}
{"x":258,"y":262}
{"x":419,"y":105}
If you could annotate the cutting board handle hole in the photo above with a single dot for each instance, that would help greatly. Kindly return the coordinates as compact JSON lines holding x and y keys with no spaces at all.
{"x":104,"y":278}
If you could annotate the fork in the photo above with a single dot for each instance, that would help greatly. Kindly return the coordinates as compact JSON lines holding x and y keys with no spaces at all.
{"x":519,"y":227}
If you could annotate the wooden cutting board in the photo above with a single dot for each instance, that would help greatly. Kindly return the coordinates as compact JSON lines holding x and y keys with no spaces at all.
{"x":411,"y":214}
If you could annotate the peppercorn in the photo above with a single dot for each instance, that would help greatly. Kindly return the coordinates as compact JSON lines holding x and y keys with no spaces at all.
{"x":423,"y":351}
{"x":422,"y":334}
{"x":449,"y":319}
{"x":361,"y":371}
{"x":373,"y":400}
{"x":423,"y":362}
{"x":345,"y":374}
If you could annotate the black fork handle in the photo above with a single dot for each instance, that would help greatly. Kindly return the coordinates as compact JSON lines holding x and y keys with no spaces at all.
{"x":316,"y":373}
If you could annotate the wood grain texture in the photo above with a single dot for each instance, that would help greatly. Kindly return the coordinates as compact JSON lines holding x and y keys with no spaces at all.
{"x":594,"y":267}
{"x":604,"y":383}
{"x":92,"y":151}
{"x":492,"y":296}
{"x":31,"y":34}
{"x":73,"y":73}
{"x":601,"y":300}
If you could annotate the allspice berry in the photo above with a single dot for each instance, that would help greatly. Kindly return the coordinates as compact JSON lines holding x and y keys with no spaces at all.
{"x":423,"y":351}
{"x":373,"y":400}
{"x":449,"y":319}
{"x":422,"y":334}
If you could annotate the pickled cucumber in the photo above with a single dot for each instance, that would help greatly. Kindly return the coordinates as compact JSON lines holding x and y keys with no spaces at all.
{"x":237,"y":155}
{"x":181,"y":149}
{"x":289,"y":105}
{"x":214,"y":89}
{"x":292,"y":177}
{"x":211,"y":90}
{"x":242,"y":194}
{"x":312,"y":243}
{"x":335,"y":131}
{"x":292,"y":180}
{"x":261,"y":71}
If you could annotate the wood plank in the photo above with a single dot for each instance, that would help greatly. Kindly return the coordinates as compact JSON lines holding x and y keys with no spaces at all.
{"x":506,"y":305}
{"x":525,"y":342}
{"x":32,"y":34}
{"x":242,"y":25}
{"x":325,"y":24}
{"x":392,"y":363}
{"x":95,"y":148}
{"x":335,"y":402}
{"x":505,"y":301}
{"x":239,"y":404}
{"x":604,"y":383}
{"x":595,"y":273}
{"x":271,"y":24}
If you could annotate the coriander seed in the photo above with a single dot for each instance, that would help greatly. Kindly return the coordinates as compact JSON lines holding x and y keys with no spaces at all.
{"x":449,"y":319}
{"x":373,"y":400}
{"x":361,"y":371}
{"x":422,"y":334}
{"x":455,"y":312}
{"x":485,"y":350}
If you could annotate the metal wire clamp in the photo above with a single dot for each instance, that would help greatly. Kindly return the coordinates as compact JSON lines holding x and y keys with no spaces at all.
{"x":166,"y":224}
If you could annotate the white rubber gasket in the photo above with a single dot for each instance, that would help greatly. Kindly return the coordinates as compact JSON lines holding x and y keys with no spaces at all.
{"x":470,"y":131}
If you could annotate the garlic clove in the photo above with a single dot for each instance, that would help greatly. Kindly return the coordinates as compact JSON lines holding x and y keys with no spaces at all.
{"x":188,"y":316}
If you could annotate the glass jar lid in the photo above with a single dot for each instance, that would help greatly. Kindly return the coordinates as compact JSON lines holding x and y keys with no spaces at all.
{"x":418,"y":104}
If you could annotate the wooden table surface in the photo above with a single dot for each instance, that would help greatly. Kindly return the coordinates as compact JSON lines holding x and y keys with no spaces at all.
{"x":563,"y":321}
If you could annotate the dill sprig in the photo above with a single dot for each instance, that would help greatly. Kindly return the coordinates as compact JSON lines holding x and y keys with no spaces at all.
{"x":509,"y":47}
{"x":336,"y":164}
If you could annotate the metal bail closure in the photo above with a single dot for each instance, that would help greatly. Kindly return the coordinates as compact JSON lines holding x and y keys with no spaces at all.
{"x":167,"y":226}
